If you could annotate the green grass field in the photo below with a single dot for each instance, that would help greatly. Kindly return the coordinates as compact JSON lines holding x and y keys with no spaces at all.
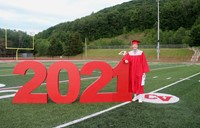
{"x":185,"y":113}
{"x":166,"y":54}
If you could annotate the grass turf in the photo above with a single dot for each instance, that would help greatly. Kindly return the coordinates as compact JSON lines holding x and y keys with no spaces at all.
{"x":183,"y":114}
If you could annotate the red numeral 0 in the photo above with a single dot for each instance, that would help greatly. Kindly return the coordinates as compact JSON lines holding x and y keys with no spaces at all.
{"x":53,"y":84}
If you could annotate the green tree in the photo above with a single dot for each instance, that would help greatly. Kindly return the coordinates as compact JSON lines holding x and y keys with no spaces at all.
{"x":42,"y":46}
{"x":73,"y":44}
{"x":195,"y":36}
{"x":55,"y":48}
{"x":150,"y":37}
{"x":116,"y":42}
{"x":181,"y":36}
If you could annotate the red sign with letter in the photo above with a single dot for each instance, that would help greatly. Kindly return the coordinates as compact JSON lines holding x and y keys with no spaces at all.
{"x":160,"y":98}
{"x":154,"y":96}
{"x":90,"y":95}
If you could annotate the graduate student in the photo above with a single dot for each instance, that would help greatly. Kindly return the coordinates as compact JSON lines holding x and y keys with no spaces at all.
{"x":138,"y":67}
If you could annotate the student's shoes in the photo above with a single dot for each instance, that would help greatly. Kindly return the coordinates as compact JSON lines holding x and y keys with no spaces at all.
{"x":135,"y":98}
{"x":140,"y":101}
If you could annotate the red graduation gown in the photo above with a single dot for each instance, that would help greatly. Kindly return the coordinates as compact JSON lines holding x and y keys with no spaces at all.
{"x":137,"y":67}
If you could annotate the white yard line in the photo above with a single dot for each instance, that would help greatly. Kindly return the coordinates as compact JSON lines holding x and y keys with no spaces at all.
{"x":151,"y":70}
{"x":171,"y":67}
{"x":2,"y":85}
{"x":155,"y":77}
{"x":47,"y":66}
{"x":175,"y":83}
{"x":16,"y":87}
{"x":11,"y":68}
{"x":83,"y":78}
{"x":89,"y":78}
{"x":119,"y":105}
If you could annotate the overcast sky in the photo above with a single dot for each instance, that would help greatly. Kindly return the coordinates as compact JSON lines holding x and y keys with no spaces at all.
{"x":37,"y":15}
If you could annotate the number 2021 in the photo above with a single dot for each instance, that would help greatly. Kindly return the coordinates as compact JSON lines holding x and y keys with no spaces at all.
{"x":90,"y":95}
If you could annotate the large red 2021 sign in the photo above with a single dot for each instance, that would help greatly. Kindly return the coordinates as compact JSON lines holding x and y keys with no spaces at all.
{"x":90,"y":95}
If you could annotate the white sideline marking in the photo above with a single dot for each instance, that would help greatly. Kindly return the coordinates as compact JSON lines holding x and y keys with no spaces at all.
{"x":7,"y":96}
{"x":2,"y":85}
{"x":117,"y":106}
{"x":155,"y":77}
{"x":168,"y":78}
{"x":171,"y":67}
{"x":175,"y":82}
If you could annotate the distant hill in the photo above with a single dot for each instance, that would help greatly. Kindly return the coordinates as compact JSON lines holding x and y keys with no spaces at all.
{"x":179,"y":24}
{"x":117,"y":25}
{"x":134,"y":15}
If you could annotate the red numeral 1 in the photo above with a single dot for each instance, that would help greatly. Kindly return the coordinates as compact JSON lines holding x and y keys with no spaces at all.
{"x":121,"y":71}
{"x":53,"y":84}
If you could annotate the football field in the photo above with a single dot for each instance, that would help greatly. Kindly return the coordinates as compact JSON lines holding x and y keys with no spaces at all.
{"x":178,"y":79}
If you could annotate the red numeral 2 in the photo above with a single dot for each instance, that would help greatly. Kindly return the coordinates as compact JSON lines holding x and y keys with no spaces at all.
{"x":24,"y":94}
{"x":91,"y":94}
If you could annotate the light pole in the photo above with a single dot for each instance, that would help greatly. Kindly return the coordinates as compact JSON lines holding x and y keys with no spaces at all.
{"x":158,"y":41}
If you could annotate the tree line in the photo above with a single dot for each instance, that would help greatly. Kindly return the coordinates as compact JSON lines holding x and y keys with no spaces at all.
{"x":179,"y":19}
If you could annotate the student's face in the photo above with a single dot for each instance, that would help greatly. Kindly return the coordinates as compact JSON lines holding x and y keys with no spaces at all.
{"x":135,"y":46}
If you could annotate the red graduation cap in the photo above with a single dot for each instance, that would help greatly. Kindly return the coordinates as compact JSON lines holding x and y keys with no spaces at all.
{"x":135,"y":42}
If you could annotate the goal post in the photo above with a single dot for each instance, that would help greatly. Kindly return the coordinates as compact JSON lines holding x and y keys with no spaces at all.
{"x":18,"y":48}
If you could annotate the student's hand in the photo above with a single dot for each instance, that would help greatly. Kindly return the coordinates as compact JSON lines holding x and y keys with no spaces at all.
{"x":126,"y":61}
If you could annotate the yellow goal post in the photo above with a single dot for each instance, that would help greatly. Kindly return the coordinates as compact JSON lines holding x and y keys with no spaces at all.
{"x":15,"y":48}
